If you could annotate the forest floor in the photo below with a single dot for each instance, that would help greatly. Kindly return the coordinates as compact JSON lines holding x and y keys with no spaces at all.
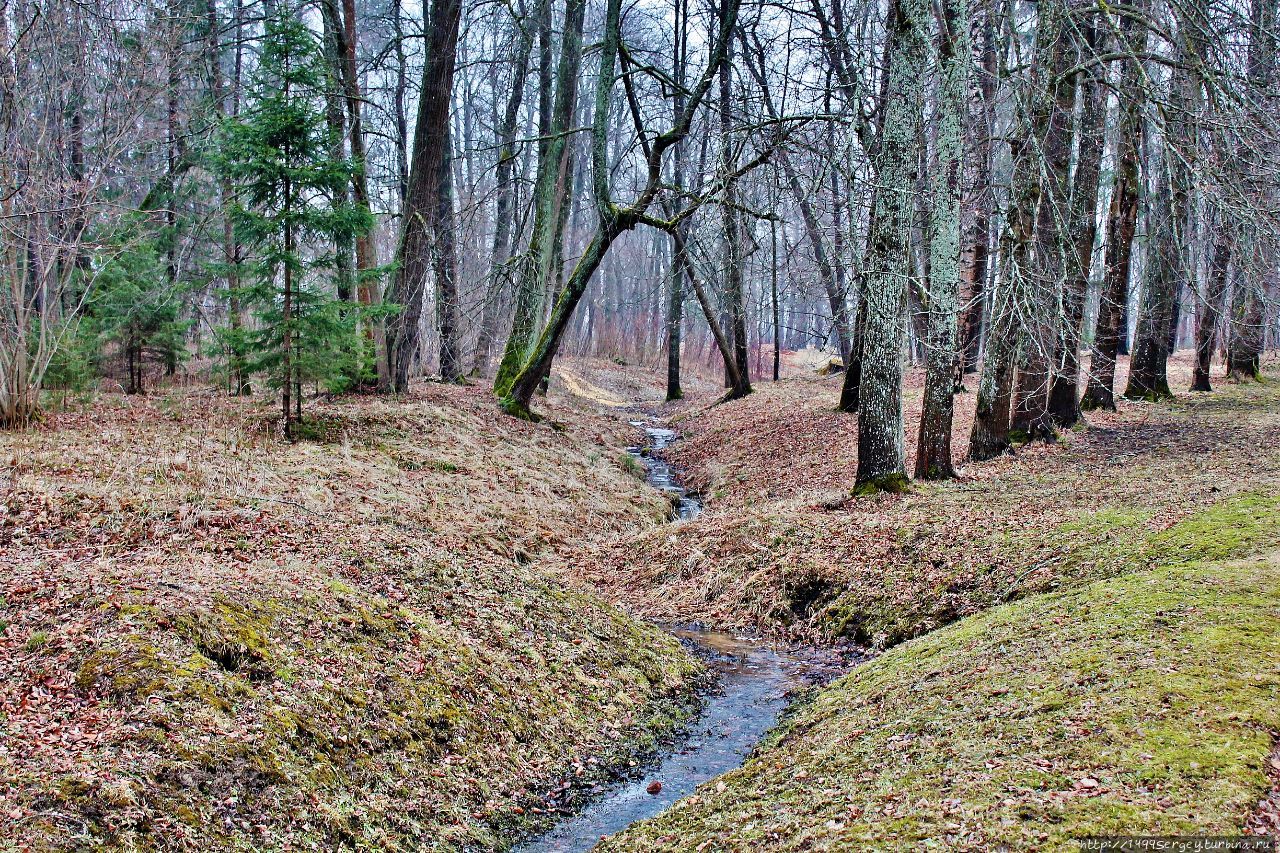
{"x":782,"y":545}
{"x":210,"y":638}
{"x":430,"y":621}
{"x":1114,"y":666}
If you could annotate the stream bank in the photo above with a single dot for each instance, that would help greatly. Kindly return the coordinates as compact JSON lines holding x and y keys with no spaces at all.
{"x":755,"y":683}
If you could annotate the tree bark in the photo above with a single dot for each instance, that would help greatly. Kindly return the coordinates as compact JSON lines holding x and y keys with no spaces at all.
{"x":933,"y":448}
{"x":976,"y":212}
{"x":1167,"y":264}
{"x":881,"y":463}
{"x":1210,"y":314}
{"x":1064,"y":404}
{"x":1018,"y":288}
{"x":1122,"y":223}
{"x":1248,"y":338}
{"x":430,"y":158}
{"x":504,"y":208}
{"x":731,"y":219}
{"x":537,"y":274}
{"x":1050,"y":316}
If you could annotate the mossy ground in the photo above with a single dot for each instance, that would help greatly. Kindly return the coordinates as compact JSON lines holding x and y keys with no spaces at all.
{"x":216,"y":640}
{"x":1140,"y":705}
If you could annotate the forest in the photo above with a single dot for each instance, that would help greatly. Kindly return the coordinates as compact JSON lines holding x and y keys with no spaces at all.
{"x":663,"y":425}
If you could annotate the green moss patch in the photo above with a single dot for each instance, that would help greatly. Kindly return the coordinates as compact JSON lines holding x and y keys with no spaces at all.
{"x":1141,"y":704}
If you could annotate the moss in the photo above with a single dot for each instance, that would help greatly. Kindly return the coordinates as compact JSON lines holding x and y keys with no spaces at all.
{"x":37,"y":640}
{"x":895,"y":484}
{"x":230,"y":635}
{"x":516,"y":409}
{"x":1234,"y":527}
{"x":1135,"y":705}
{"x":135,"y":669}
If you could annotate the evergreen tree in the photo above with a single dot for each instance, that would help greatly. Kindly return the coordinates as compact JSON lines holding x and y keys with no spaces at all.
{"x":290,"y":210}
{"x":134,"y":306}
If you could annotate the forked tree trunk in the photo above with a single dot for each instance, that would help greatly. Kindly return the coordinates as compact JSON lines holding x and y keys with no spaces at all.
{"x":991,"y":425}
{"x":613,"y":218}
{"x":537,"y":273}
{"x":429,"y":159}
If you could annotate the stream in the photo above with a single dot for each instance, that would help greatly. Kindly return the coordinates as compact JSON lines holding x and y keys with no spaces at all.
{"x":755,"y":681}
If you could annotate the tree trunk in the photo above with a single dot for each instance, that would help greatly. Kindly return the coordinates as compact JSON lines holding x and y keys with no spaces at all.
{"x":1167,"y":262}
{"x":1122,"y":223}
{"x":1244,"y":352}
{"x":731,"y":219}
{"x":976,"y":215}
{"x":881,"y":463}
{"x":1210,"y":314}
{"x":335,"y":115}
{"x":444,"y":263}
{"x":1018,"y":287}
{"x":933,"y":448}
{"x":537,"y":272}
{"x":1064,"y":405}
{"x":1050,"y":314}
{"x":430,"y":158}
{"x":504,"y":208}
{"x":1147,"y":376}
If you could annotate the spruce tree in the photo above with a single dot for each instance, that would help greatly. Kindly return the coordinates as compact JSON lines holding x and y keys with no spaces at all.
{"x":289,"y":212}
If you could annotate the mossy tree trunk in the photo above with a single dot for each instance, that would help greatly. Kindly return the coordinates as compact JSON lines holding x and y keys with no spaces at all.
{"x":537,"y":273}
{"x":881,"y":463}
{"x":977,"y":197}
{"x":1019,"y":291}
{"x":933,"y":448}
{"x":1048,"y":315}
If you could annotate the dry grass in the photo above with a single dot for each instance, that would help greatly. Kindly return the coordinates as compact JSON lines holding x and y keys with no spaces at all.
{"x":215,"y":639}
{"x":783,"y":546}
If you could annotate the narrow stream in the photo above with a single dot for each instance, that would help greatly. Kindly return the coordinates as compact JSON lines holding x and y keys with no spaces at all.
{"x":660,"y":474}
{"x":755,"y":682}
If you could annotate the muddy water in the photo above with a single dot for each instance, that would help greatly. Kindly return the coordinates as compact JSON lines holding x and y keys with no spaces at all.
{"x":755,"y":683}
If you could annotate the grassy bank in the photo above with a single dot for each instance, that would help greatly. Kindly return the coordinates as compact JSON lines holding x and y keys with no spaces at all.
{"x":212,"y":639}
{"x":1143,"y":704}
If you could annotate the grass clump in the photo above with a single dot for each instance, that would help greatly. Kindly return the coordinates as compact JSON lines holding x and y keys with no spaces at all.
{"x":1136,"y":705}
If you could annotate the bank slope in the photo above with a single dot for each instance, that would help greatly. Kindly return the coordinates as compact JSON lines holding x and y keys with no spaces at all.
{"x":210,"y":639}
{"x":1142,"y":704}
